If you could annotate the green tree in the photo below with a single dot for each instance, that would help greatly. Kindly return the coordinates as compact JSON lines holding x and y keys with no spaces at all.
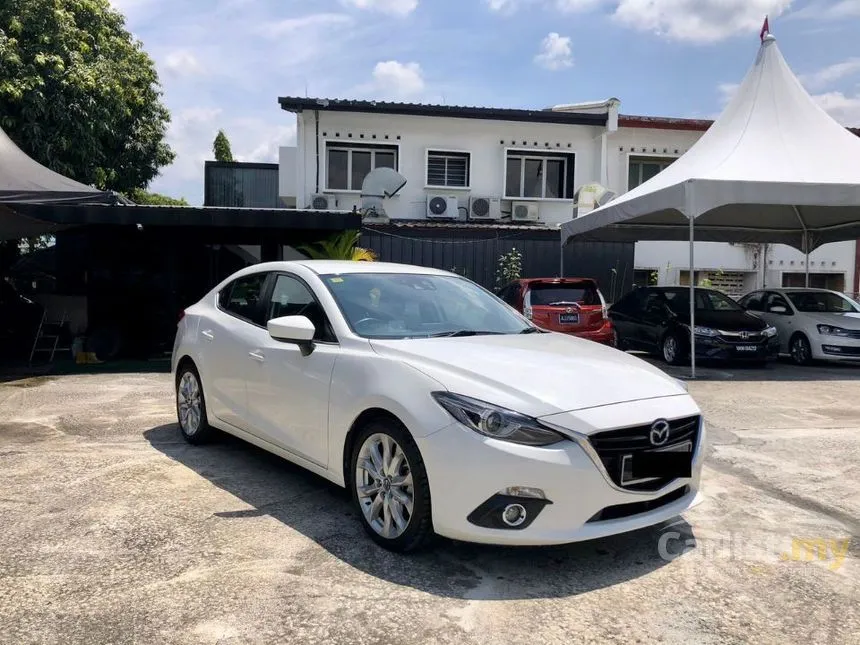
{"x":79,"y":94}
{"x":342,"y":246}
{"x":221,"y":147}
{"x":140,"y":196}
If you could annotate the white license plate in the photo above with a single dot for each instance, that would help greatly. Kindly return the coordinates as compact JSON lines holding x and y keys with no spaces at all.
{"x":747,"y":348}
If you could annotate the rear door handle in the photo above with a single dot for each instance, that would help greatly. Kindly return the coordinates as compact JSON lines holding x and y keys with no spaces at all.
{"x":257,"y":356}
{"x":208,"y":335}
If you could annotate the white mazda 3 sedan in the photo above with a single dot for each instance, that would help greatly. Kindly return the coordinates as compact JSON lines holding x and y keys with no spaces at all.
{"x":442,"y":409}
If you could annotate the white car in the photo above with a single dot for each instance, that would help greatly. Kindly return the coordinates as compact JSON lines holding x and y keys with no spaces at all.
{"x":442,"y":409}
{"x":813,"y":324}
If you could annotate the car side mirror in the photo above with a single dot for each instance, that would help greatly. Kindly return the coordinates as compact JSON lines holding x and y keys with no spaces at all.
{"x":293,"y":329}
{"x":778,"y":309}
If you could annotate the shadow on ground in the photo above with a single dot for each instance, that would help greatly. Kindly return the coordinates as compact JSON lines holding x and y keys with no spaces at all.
{"x":323,"y":512}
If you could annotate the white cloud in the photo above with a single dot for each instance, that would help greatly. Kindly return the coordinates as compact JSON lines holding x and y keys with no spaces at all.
{"x":825,"y":77}
{"x":703,"y":21}
{"x":573,"y":6}
{"x":828,"y":10}
{"x":555,"y":52}
{"x":394,"y":7}
{"x":395,"y":80}
{"x":182,"y":62}
{"x":843,"y":108}
{"x":315,"y":21}
{"x":727,"y":92}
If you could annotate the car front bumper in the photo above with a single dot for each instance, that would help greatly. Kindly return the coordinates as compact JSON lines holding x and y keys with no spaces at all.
{"x":467,"y":471}
{"x":836,"y":348}
{"x":719,"y":349}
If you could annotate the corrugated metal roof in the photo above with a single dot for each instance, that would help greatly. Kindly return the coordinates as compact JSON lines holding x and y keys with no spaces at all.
{"x":548,"y":115}
{"x":462,"y":224}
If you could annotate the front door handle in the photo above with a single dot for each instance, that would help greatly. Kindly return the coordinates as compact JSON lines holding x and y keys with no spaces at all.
{"x":208,"y":335}
{"x":257,"y":356}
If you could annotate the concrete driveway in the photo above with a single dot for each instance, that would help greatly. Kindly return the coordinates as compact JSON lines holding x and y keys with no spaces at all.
{"x":114,"y":530}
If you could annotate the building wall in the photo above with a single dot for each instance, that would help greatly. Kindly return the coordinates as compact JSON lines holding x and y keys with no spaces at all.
{"x":486,"y":141}
{"x":597,"y":160}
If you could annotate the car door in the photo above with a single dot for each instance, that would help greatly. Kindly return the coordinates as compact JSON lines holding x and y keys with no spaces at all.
{"x":653,"y":320}
{"x":778,"y":312}
{"x":288,"y":390}
{"x":227,"y":336}
{"x":624,"y":315}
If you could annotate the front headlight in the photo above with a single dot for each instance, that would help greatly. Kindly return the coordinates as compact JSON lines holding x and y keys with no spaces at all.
{"x":770,"y":332}
{"x":496,"y":422}
{"x":830,"y":330}
{"x":706,"y":331}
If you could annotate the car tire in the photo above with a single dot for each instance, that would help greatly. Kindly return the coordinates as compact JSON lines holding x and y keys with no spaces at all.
{"x":378,"y":499}
{"x":191,"y":406}
{"x":672,"y":349}
{"x":800,"y":350}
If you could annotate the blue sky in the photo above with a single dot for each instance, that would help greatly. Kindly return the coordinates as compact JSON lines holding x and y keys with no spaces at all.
{"x":223,"y":63}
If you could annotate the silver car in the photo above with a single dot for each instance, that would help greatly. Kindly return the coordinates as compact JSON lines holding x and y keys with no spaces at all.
{"x":813,"y":324}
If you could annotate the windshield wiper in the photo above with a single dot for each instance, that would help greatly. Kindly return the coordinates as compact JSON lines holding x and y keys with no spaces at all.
{"x":531,"y":330}
{"x":460,"y":333}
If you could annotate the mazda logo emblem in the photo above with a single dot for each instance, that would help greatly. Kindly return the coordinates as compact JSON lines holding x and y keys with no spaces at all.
{"x":659,"y":432}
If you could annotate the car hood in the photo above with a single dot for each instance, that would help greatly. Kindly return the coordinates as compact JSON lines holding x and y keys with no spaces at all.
{"x":725,"y":320}
{"x":847,"y":320}
{"x":535,"y":374}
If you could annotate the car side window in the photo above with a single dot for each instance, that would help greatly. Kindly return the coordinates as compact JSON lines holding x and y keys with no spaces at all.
{"x":242,"y":297}
{"x":776,"y":300}
{"x":291,"y":297}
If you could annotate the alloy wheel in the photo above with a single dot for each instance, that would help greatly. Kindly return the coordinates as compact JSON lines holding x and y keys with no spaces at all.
{"x":190,"y":403}
{"x":670,"y":349}
{"x":800,"y":351}
{"x":384,"y":486}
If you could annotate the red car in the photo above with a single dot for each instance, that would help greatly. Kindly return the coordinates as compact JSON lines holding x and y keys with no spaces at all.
{"x":569,"y":305}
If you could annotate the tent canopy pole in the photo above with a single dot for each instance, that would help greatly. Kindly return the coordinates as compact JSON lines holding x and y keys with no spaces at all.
{"x":692,"y":302}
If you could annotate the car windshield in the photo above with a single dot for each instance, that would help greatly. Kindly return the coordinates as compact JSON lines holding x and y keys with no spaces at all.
{"x":403,"y":305}
{"x":822,"y":302}
{"x":706,"y":300}
{"x":540,"y":295}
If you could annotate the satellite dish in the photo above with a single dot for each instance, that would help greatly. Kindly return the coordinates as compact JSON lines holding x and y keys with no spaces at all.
{"x":379,"y":184}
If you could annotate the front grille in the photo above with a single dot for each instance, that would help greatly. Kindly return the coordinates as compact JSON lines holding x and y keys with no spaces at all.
{"x":746,"y":338}
{"x":613,"y":445}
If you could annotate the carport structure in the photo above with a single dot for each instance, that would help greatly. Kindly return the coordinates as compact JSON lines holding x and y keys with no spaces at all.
{"x":136,"y":267}
{"x":774,"y":168}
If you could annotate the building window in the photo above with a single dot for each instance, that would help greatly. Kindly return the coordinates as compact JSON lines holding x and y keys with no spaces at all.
{"x":641,"y":169}
{"x":448,"y":169}
{"x":546,"y":176}
{"x":348,"y":165}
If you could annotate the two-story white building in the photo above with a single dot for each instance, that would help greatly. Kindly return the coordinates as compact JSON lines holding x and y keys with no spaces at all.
{"x":502,"y":167}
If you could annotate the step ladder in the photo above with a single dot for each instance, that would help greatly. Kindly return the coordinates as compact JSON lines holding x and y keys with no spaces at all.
{"x":48,"y":337}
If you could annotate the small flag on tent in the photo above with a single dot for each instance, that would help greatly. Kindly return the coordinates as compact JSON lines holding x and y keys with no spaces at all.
{"x":765,"y":29}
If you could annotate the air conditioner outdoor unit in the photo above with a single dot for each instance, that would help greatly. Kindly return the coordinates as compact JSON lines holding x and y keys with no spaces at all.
{"x":320,"y":202}
{"x":442,"y":207}
{"x":525,"y":212}
{"x":485,"y":208}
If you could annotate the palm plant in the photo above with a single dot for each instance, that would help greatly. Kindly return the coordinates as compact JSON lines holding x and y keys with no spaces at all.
{"x":342,"y":246}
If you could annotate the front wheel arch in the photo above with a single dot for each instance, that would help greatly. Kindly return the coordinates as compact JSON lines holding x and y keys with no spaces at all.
{"x":794,"y":337}
{"x":361,"y":421}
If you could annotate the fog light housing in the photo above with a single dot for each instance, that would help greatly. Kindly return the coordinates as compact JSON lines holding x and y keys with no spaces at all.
{"x":514,"y":514}
{"x":509,"y":512}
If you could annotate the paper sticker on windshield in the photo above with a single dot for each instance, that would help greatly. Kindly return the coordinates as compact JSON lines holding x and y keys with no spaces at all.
{"x":335,"y":279}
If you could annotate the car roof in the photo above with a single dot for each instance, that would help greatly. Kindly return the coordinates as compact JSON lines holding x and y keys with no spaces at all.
{"x":556,"y":280}
{"x":322,"y":267}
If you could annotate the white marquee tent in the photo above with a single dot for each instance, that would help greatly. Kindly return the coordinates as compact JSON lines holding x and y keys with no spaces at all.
{"x":775,"y":167}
